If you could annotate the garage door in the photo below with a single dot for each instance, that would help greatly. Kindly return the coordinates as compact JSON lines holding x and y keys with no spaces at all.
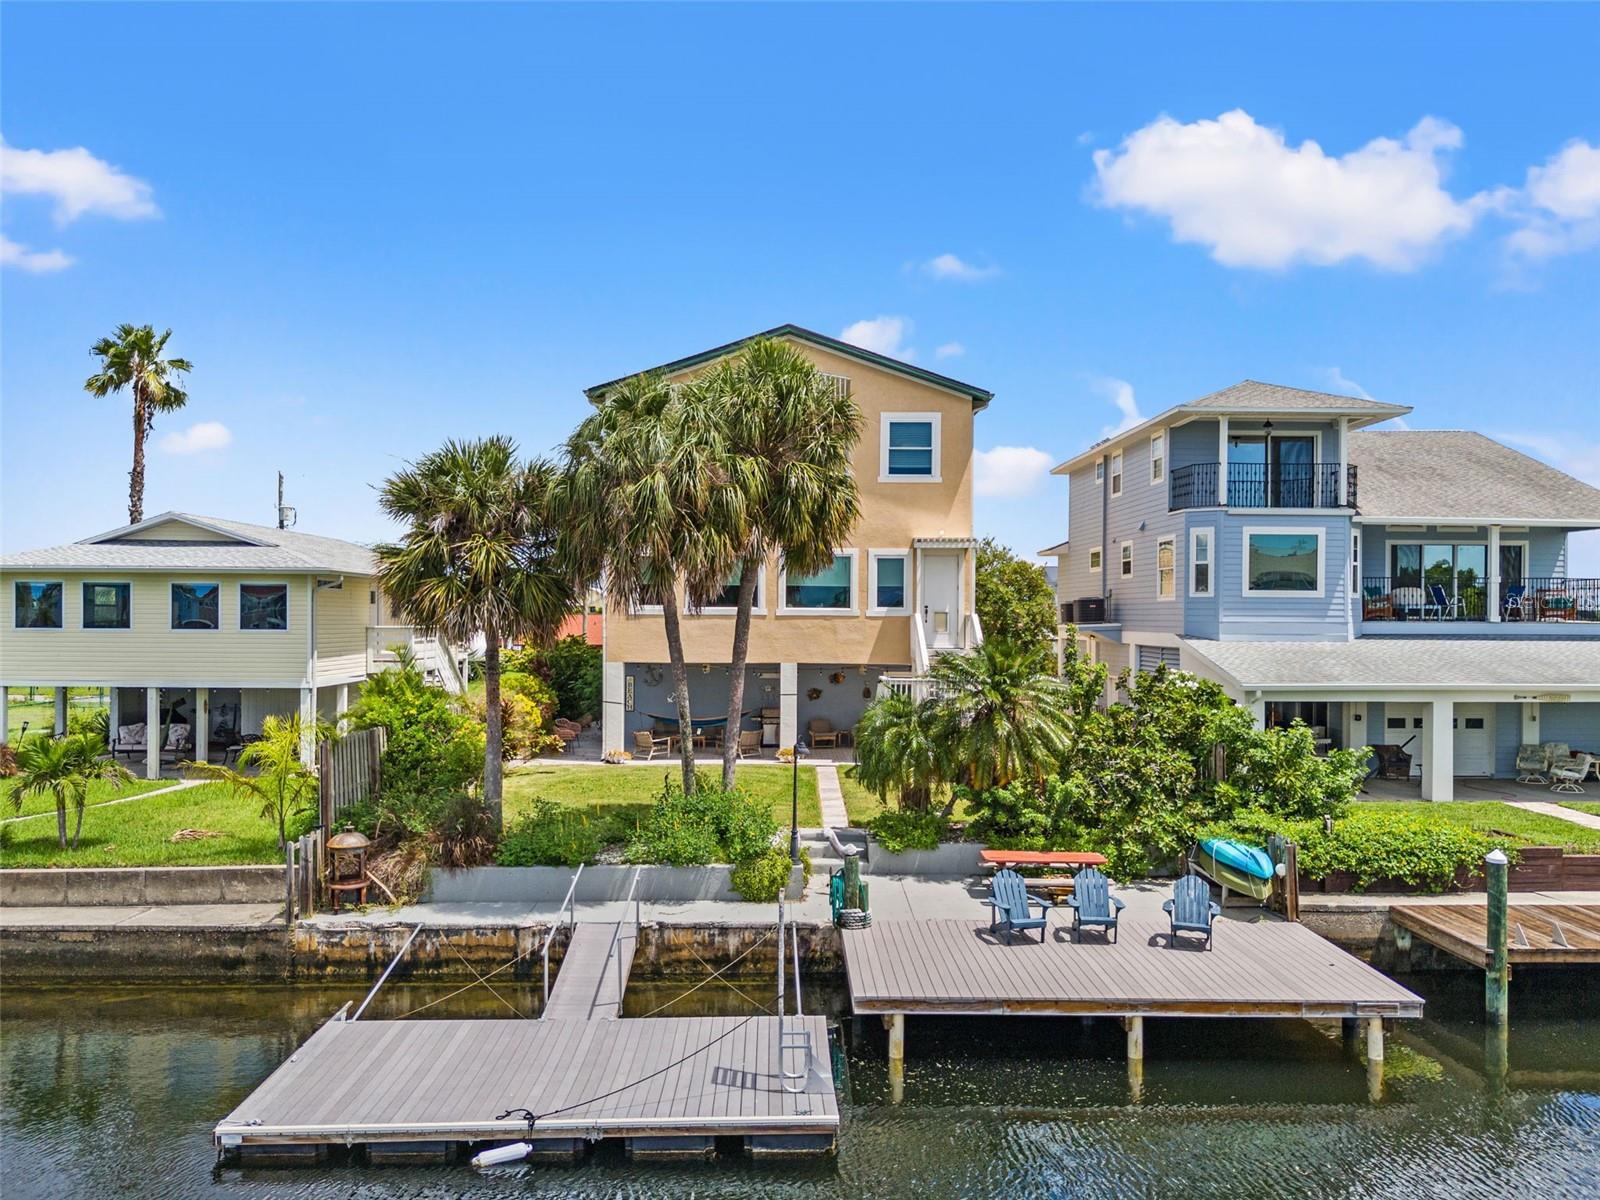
{"x":1474,"y":740}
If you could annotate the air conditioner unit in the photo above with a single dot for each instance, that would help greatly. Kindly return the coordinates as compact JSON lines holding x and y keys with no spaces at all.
{"x":1087,"y":610}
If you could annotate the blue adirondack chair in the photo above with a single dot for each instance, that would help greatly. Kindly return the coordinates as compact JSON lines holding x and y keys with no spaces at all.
{"x":1093,"y":904}
{"x":1191,"y":908}
{"x":1009,"y":905}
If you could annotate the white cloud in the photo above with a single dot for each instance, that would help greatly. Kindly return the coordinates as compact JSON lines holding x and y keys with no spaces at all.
{"x":77,"y":181}
{"x":950,"y":350}
{"x":197,"y":439}
{"x":1559,"y":205}
{"x":1086,"y":138}
{"x":39,"y":262}
{"x":1253,"y":200}
{"x":1120,"y":393}
{"x":1009,"y":471}
{"x":948,"y":266}
{"x":1344,"y":386}
{"x":881,"y":335}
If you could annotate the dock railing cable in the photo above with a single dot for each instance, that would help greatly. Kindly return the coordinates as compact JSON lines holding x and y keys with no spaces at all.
{"x":393,"y":963}
{"x":544,"y":951}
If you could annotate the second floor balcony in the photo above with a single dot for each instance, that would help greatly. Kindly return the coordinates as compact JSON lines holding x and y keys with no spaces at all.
{"x":1543,"y":600}
{"x":1262,"y":485}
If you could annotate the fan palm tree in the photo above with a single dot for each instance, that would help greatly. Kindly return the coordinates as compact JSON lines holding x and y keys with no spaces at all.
{"x":282,"y":784}
{"x":896,"y":749}
{"x":478,"y":555}
{"x":1002,"y":714}
{"x":644,"y":505}
{"x":64,"y":768}
{"x":131,"y":358}
{"x":786,"y":435}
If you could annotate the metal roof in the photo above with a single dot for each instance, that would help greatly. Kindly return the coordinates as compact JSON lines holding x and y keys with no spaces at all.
{"x":1409,"y":664}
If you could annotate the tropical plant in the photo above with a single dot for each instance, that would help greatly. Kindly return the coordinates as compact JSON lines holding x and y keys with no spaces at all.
{"x":550,"y":835}
{"x":1014,"y":599}
{"x":709,"y":824}
{"x":900,"y":830}
{"x":63,"y":768}
{"x":897,"y":750}
{"x":434,"y":748}
{"x":478,"y":555}
{"x":572,"y":668}
{"x":786,"y":436}
{"x":269,"y":770}
{"x":132,"y":358}
{"x":94,"y":722}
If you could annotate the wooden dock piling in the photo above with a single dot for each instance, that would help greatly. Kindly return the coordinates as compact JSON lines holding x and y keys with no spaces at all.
{"x":1497,"y":977}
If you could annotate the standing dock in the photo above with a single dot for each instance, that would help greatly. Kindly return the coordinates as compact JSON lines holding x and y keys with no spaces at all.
{"x":594,"y":973}
{"x":1536,"y":934}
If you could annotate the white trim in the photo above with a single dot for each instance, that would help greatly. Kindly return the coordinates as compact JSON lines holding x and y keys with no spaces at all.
{"x":217,"y":628}
{"x":83,"y":609}
{"x":182,"y":518}
{"x":855,"y":606}
{"x":1514,"y":524}
{"x":1116,"y":473}
{"x":288,"y":607}
{"x":872,"y":583}
{"x":1171,"y":542}
{"x":935,"y":432}
{"x":758,"y":609}
{"x":1156,"y":480}
{"x":1125,"y":560}
{"x":1316,"y":531}
{"x":1100,"y":469}
{"x":61,"y":628}
{"x":1210,"y":532}
{"x":1095,"y":560}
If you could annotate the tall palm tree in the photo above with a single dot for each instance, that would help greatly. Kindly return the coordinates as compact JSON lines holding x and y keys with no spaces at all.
{"x":64,"y":768}
{"x":786,"y":436}
{"x":643,"y":505}
{"x":1002,"y":714}
{"x":131,"y":358}
{"x":478,"y":555}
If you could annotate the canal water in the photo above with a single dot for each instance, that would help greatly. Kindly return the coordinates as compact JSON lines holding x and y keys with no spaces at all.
{"x":112,"y":1092}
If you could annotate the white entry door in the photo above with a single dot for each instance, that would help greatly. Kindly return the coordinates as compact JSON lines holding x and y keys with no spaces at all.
{"x":1474,"y":740}
{"x":1407,"y":721}
{"x":941,"y":600}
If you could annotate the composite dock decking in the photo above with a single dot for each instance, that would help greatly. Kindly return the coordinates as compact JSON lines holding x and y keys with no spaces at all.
{"x":593,"y":973}
{"x":448,"y":1081}
{"x":1536,"y":933}
{"x":1266,"y":968}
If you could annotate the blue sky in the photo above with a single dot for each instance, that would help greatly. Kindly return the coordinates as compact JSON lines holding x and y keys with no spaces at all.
{"x":373,"y":227}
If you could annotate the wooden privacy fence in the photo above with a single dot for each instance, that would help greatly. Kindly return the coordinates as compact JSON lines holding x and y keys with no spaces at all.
{"x":347,"y":770}
{"x":302,"y":869}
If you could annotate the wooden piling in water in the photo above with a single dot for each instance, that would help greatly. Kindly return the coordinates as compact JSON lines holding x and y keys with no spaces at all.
{"x":1497,"y":978}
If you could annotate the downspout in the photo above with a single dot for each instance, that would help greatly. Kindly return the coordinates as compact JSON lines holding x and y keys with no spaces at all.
{"x":1105,"y":532}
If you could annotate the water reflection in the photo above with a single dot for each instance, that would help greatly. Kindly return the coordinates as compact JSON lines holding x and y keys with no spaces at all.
{"x":114,"y":1092}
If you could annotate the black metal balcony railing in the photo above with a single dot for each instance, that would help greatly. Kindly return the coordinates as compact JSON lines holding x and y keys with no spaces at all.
{"x":1260,"y":485}
{"x":1535,"y":599}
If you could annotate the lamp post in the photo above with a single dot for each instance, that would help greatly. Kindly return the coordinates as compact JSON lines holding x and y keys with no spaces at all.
{"x":794,"y":816}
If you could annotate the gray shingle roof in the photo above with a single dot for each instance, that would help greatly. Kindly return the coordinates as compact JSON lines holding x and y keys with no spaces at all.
{"x":261,"y":548}
{"x":1389,"y":662}
{"x":1456,"y":476}
{"x":1051,"y":551}
{"x":1272,"y":397}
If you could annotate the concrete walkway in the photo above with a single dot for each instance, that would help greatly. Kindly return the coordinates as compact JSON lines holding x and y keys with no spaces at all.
{"x":832,"y":798}
{"x":177,"y":787}
{"x":1547,"y":809}
{"x":158,"y":916}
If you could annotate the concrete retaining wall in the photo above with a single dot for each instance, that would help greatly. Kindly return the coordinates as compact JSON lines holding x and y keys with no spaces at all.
{"x":950,"y":860}
{"x":516,"y":885}
{"x":46,"y":887}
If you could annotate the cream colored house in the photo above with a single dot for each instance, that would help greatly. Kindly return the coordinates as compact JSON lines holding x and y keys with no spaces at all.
{"x":900,"y":589}
{"x":203,"y":623}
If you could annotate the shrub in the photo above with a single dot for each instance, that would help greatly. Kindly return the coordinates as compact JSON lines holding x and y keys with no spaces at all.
{"x":1012,"y":817}
{"x":93,"y":722}
{"x":434,"y":751}
{"x":550,"y":835}
{"x":572,"y":669}
{"x":899,"y":830}
{"x":711,"y":825}
{"x":762,"y":878}
{"x":465,"y":833}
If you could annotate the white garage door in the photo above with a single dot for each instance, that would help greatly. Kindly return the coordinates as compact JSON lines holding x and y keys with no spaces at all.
{"x":1474,"y":740}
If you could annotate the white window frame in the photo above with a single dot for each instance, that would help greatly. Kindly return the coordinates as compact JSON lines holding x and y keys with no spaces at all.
{"x":1210,"y":534}
{"x":1317,"y":531}
{"x":1158,"y":458}
{"x":1171,"y":542}
{"x":1100,"y":469}
{"x":936,"y":432}
{"x":61,"y":628}
{"x":1116,"y":474}
{"x":218,"y":584}
{"x":855,"y":593}
{"x":758,"y":609}
{"x":288,"y":602}
{"x":1094,"y":560}
{"x":873,"y":610}
{"x":1126,"y":558}
{"x":83,"y":609}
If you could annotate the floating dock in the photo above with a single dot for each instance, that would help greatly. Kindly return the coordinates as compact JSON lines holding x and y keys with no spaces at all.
{"x":1536,"y":934}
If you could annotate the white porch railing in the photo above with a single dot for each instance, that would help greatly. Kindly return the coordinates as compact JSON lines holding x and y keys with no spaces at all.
{"x":435,"y":657}
{"x":919,"y":648}
{"x":971,"y":632}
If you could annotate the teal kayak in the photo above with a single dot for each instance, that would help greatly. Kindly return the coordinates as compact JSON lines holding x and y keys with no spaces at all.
{"x":1235,"y":865}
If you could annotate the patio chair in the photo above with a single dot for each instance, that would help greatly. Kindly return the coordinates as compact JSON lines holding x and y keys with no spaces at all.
{"x":1443,"y":604}
{"x":1515,"y":602}
{"x":1557,"y":605}
{"x":647,"y":743}
{"x":1376,"y":604}
{"x":130,"y":739}
{"x":1010,"y":903}
{"x":749,"y":743}
{"x":1093,"y":904}
{"x":1191,"y":908}
{"x":1533,"y":764}
{"x":1567,"y":773}
{"x":1554,"y":752}
{"x":822,"y":732}
{"x":180,"y":740}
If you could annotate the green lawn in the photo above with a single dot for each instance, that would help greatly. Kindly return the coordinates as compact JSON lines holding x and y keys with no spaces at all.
{"x":1491,"y":816}
{"x":137,"y":835}
{"x":625,"y":793}
{"x":861,"y":805}
{"x":40,"y":712}
{"x":99,"y":792}
{"x":1592,"y":807}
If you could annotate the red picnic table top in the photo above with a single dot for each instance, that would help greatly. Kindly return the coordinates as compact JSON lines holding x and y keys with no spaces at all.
{"x":1042,"y":858}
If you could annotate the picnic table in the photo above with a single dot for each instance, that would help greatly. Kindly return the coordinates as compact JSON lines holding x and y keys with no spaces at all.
{"x":1058,"y":887}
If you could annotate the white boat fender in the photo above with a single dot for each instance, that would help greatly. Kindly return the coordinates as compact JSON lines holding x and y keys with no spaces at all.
{"x":503,"y":1154}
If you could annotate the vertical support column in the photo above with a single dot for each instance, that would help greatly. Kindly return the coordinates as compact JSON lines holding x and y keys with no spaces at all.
{"x":1258,"y":713}
{"x":611,"y":712}
{"x":202,"y":723}
{"x":1135,"y":1027}
{"x":897,"y":1056}
{"x":308,"y":726}
{"x":1497,"y":979}
{"x":1222,"y":466}
{"x":61,"y":711}
{"x":1374,"y":1059}
{"x":1492,"y":600}
{"x":1344,"y":462}
{"x":5,"y":714}
{"x":114,"y":694}
{"x":788,"y":703}
{"x":1439,"y":751}
{"x":1530,"y":722}
{"x":152,"y":733}
{"x":342,"y":703}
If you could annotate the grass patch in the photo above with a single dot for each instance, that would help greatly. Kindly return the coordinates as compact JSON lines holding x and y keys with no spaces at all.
{"x":618,"y":797}
{"x":1491,"y":816}
{"x":1592,"y":807}
{"x":40,"y":714}
{"x":861,"y":804}
{"x":136,"y":835}
{"x":99,"y":792}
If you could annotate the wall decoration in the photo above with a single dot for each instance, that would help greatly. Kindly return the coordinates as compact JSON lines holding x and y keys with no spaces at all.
{"x":836,"y":677}
{"x":866,"y":693}
{"x":813,"y":693}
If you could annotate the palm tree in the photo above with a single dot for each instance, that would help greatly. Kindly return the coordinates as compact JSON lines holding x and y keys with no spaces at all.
{"x":132,"y":358}
{"x":644,"y":505}
{"x":283,"y":784}
{"x":1002,"y":714}
{"x":64,"y":768}
{"x":478,"y":555}
{"x":896,"y":749}
{"x":786,"y":435}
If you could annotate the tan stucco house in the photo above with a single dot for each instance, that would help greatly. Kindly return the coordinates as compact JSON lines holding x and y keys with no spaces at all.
{"x":201,"y":622}
{"x":900,"y":589}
